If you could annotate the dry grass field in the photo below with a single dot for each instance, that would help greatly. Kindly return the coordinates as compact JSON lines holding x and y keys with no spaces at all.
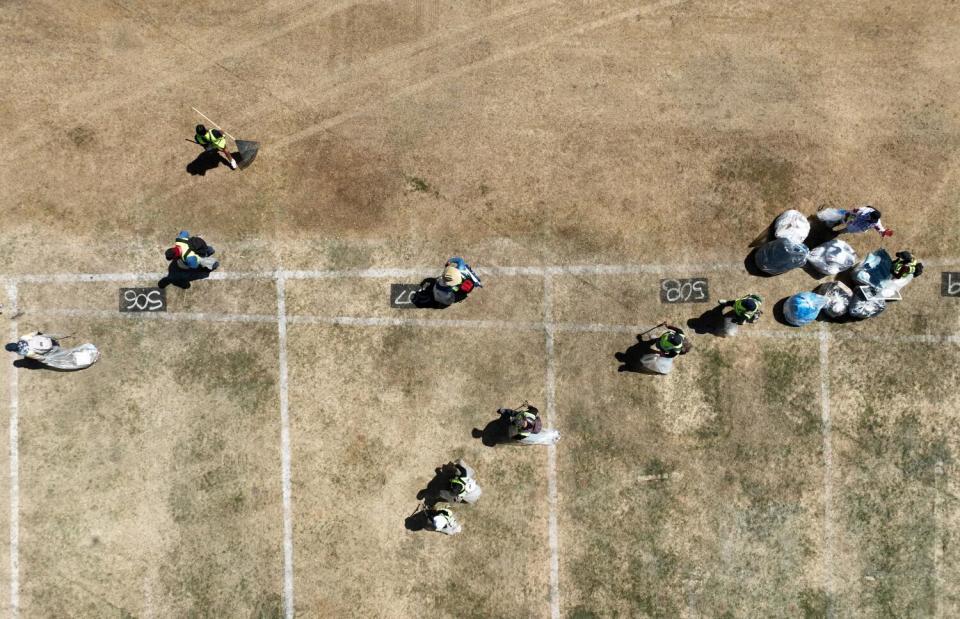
{"x":255,"y":450}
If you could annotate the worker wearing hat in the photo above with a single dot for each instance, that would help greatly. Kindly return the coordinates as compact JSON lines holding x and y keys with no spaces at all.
{"x":191,"y":252}
{"x":672,"y":342}
{"x":214,"y":140}
{"x":455,"y":282}
{"x":746,"y":309}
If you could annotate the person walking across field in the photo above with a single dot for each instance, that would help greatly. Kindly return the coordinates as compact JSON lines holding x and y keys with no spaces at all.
{"x":462,"y":483}
{"x":745,"y":310}
{"x":191,"y":252}
{"x":667,"y":346}
{"x":213,"y":139}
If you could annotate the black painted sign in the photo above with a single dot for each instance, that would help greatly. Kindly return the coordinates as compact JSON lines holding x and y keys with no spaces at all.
{"x":693,"y":290}
{"x":402,"y":295}
{"x":949,"y":284}
{"x":143,"y":300}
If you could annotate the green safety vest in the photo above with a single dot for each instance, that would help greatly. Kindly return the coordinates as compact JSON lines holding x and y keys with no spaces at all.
{"x":456,"y":481}
{"x":666,"y":345}
{"x":526,"y":417}
{"x":742,"y":311}
{"x":902,"y":269}
{"x":208,"y":138}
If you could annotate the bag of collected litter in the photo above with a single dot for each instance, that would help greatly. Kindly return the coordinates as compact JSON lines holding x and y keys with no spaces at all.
{"x":832,"y":257}
{"x":862,"y":307}
{"x":780,"y":255}
{"x":543,"y":437}
{"x":831,"y":216}
{"x":874,"y":269}
{"x":77,"y":358}
{"x":657,"y":363}
{"x":803,"y":308}
{"x":838,"y":297}
{"x":791,"y":225}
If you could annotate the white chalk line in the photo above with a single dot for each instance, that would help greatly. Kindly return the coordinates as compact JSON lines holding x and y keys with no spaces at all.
{"x":385,"y":272}
{"x":14,"y":446}
{"x":465,"y":323}
{"x":281,"y":319}
{"x":825,"y":428}
{"x":551,"y":401}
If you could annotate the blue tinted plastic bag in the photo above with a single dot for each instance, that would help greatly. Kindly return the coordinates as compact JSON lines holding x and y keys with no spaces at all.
{"x":802,"y":309}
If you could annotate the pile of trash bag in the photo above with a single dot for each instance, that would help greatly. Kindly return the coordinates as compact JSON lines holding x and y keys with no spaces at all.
{"x":791,"y":225}
{"x":832,"y":257}
{"x":838,"y":296}
{"x":803,"y":308}
{"x":780,"y":255}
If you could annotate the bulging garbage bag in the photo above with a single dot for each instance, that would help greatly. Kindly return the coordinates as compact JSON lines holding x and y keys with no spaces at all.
{"x":874,"y":269}
{"x":862,"y":307}
{"x":780,"y":255}
{"x":657,"y":363}
{"x":803,"y":308}
{"x":831,"y":216}
{"x":838,"y":297}
{"x":832,"y":257}
{"x":791,"y":225}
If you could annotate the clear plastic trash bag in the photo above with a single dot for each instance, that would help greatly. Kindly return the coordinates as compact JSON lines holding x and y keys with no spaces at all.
{"x":803,"y":308}
{"x":543,"y":437}
{"x":832,"y":257}
{"x":838,"y":297}
{"x":780,"y":255}
{"x":862,"y":307}
{"x":831,"y":216}
{"x":76,"y":358}
{"x":657,"y":363}
{"x":791,"y":225}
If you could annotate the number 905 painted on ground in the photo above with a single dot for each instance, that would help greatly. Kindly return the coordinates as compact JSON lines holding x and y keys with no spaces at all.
{"x":693,"y":290}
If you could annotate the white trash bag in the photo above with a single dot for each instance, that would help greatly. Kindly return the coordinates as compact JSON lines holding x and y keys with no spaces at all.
{"x":832,"y":257}
{"x":831,"y":216}
{"x":791,"y":225}
{"x":657,"y":363}
{"x":543,"y":437}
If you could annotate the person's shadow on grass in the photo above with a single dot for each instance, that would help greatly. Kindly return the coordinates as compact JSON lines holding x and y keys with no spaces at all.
{"x":181,"y":278}
{"x":432,"y":494}
{"x":205,"y":161}
{"x":631,"y":357}
{"x":494,"y":433}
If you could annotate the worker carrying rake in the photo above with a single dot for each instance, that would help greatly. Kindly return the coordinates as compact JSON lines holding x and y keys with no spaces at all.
{"x":671,"y":343}
{"x":213,"y":139}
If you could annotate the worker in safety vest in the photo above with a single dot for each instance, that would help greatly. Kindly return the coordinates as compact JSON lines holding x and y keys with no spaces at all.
{"x":213,"y":139}
{"x":462,"y":485}
{"x":745,"y":310}
{"x":672,"y":342}
{"x":906,"y":265}
{"x":191,"y":252}
{"x":523,"y":421}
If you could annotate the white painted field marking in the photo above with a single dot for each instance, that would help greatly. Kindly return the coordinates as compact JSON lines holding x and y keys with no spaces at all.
{"x":14,"y":447}
{"x":437,"y":323}
{"x":285,"y":450}
{"x":385,"y":272}
{"x":551,"y":396}
{"x":175,"y":316}
{"x":938,"y":585}
{"x":825,"y":423}
{"x":466,"y":323}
